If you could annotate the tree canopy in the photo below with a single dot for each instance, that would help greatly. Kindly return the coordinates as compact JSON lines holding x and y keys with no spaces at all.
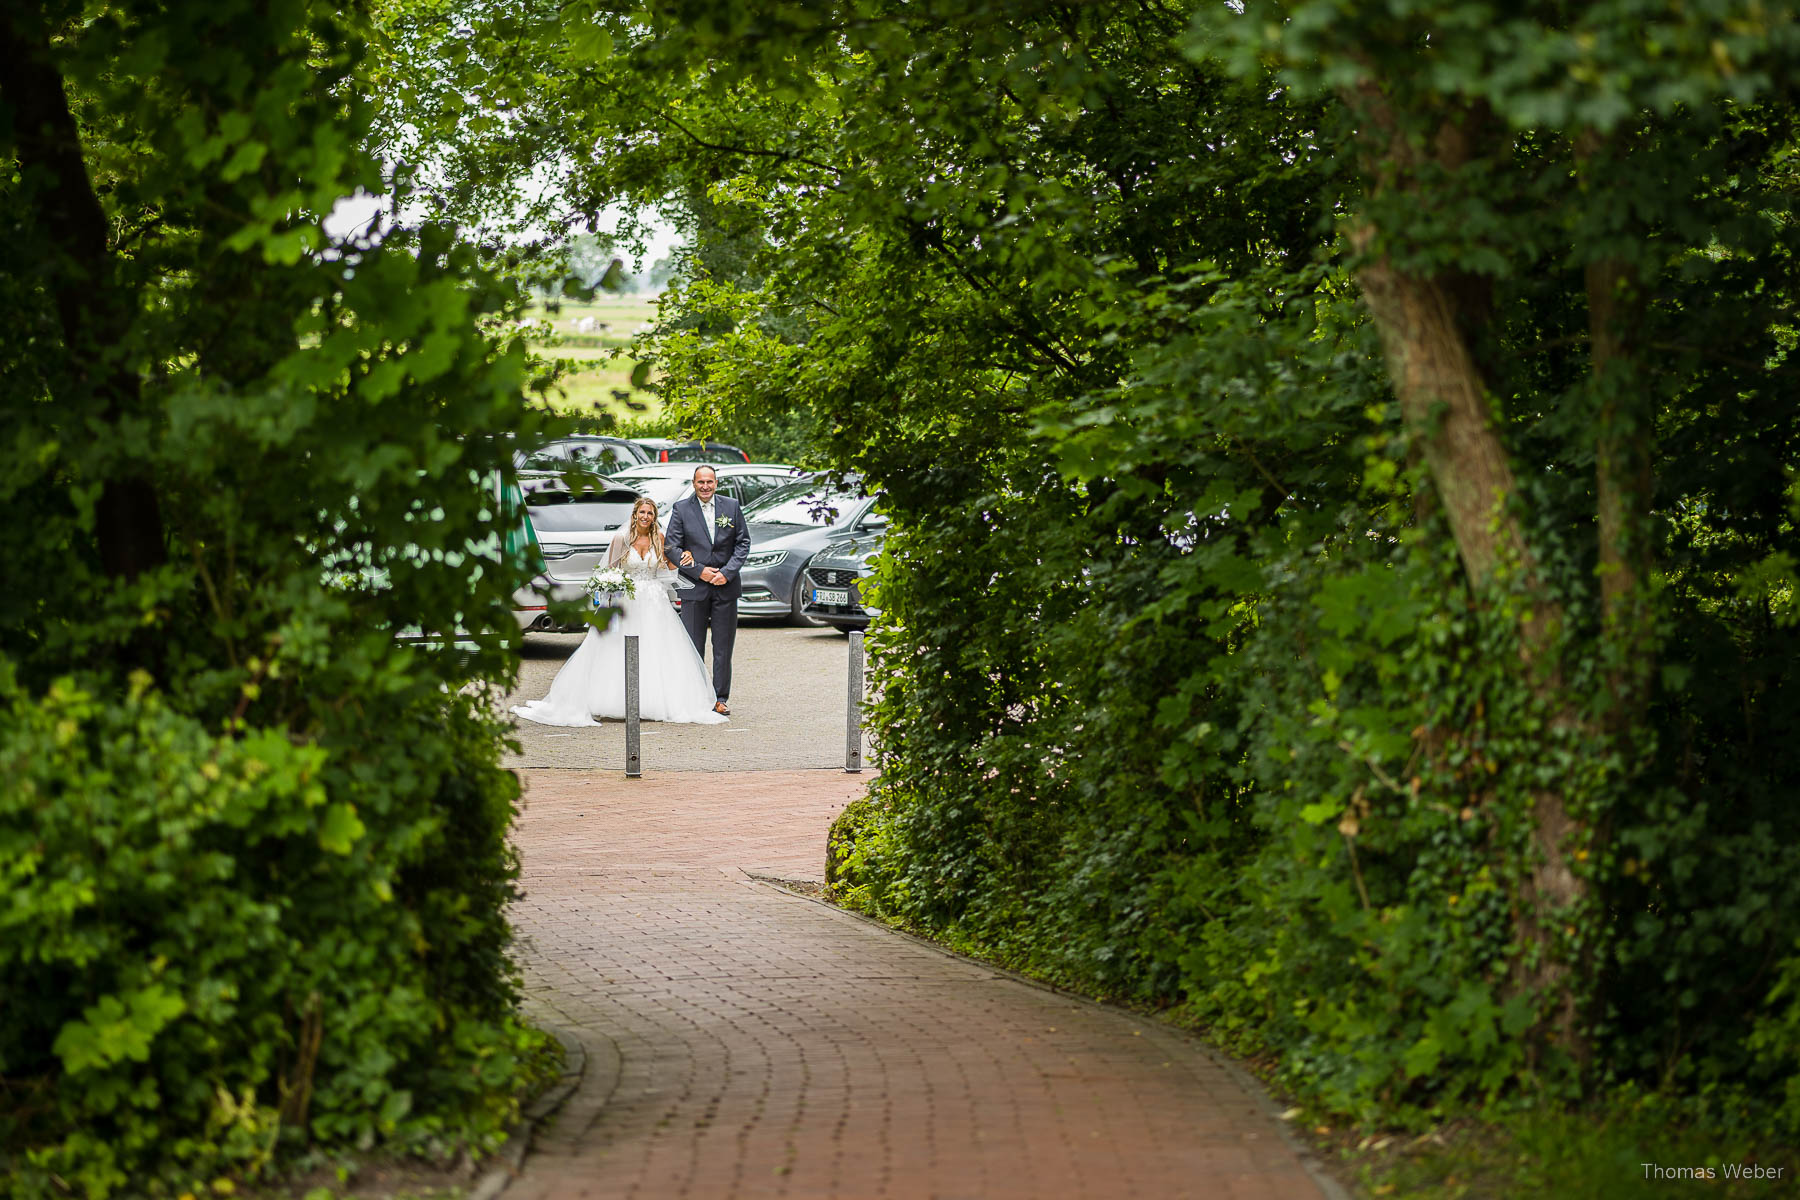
{"x":1345,"y":581}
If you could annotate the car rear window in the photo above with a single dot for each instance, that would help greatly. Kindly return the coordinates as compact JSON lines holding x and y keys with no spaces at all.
{"x":664,"y":491}
{"x":756,"y":486}
{"x":610,"y":458}
{"x":580,"y":515}
{"x":707,"y":454}
{"x":557,"y":497}
{"x":801,"y":503}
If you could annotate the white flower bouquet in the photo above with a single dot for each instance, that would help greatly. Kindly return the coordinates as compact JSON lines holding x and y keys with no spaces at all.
{"x":607,"y":585}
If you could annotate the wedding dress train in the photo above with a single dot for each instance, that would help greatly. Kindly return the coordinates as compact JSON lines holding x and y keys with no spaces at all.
{"x":672,"y":681}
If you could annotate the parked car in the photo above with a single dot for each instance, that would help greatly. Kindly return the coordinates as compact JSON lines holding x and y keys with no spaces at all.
{"x":669,"y":450}
{"x":573,"y":530}
{"x":833,"y":579}
{"x":600,"y":454}
{"x":787,"y":527}
{"x":667,"y":483}
{"x":531,"y":603}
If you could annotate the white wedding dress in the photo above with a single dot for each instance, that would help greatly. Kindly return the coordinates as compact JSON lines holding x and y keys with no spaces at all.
{"x":672,"y":681}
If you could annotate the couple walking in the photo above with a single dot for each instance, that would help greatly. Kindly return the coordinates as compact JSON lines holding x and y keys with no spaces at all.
{"x":705,"y":549}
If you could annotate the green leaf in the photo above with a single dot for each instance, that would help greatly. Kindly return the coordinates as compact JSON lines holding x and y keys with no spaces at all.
{"x":247,"y":157}
{"x":1421,"y":1058}
{"x":1320,"y":813}
{"x":1517,"y":1015}
{"x":113,"y":1030}
{"x":340,"y":828}
{"x":588,"y":41}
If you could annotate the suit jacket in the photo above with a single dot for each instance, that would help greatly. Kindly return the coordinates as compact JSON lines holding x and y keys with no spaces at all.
{"x":729,"y":547}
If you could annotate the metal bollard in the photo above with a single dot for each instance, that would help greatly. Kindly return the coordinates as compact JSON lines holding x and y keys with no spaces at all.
{"x":853,"y":710}
{"x":634,"y":766}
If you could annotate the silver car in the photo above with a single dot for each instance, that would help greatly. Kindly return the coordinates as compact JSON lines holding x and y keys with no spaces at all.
{"x":593,"y":452}
{"x":667,"y":483}
{"x":574,"y":530}
{"x":787,"y":527}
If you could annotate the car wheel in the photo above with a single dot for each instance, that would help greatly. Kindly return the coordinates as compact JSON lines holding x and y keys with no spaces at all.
{"x":796,"y":615}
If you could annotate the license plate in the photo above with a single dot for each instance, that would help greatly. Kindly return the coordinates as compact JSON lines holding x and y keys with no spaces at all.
{"x":823,"y":596}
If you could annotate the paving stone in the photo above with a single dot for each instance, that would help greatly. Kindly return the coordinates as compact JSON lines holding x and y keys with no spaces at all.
{"x":745,"y":1042}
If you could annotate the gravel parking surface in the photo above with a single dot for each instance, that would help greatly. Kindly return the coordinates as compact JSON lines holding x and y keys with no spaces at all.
{"x":787,"y":710}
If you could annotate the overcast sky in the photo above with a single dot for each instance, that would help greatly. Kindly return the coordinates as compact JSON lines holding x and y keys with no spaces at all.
{"x":352,"y":211}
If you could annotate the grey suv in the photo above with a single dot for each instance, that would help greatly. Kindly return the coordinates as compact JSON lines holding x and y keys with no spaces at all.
{"x":833,"y":580}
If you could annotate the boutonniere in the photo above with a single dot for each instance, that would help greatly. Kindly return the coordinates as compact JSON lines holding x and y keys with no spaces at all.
{"x":722,"y":522}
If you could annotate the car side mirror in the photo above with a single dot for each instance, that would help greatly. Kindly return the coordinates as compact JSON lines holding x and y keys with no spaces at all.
{"x":873,"y":521}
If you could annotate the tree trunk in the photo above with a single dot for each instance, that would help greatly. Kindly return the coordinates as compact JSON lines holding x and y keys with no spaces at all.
{"x":1425,"y":323}
{"x":1443,"y":401}
{"x":94,"y":311}
{"x":1623,"y":480}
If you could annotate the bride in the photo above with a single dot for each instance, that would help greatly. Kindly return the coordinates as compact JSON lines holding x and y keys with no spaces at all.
{"x":672,"y":681}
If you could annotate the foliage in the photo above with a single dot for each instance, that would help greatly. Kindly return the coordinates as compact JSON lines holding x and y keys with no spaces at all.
{"x":1343,"y":494}
{"x":1611,"y":1148}
{"x":213,"y":942}
{"x":254,"y":842}
{"x":1776,"y":1038}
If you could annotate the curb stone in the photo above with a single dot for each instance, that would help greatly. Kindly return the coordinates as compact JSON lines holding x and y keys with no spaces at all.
{"x":1252,"y":1087}
{"x":519,"y":1137}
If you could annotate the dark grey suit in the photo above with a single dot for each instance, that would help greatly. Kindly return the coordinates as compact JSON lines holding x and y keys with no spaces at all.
{"x":711,"y":606}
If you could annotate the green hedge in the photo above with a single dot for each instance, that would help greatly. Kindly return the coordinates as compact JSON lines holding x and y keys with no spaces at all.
{"x":212,"y":947}
{"x":253,"y":843}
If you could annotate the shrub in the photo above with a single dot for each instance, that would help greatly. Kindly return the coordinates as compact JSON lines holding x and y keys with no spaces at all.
{"x":213,"y":946}
{"x":253,"y":844}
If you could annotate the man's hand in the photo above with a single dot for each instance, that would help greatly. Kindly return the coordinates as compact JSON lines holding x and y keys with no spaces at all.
{"x":687,"y":558}
{"x":713,"y":576}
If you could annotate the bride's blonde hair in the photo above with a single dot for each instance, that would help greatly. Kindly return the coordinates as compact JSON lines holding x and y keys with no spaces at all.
{"x":656,"y":533}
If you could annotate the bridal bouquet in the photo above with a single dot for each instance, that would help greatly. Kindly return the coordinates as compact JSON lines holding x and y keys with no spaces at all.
{"x":608,"y":584}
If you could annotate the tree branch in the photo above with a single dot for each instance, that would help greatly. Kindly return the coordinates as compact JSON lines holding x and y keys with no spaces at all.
{"x":751,"y":151}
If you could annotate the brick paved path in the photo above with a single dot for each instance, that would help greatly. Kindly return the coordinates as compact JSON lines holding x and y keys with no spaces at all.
{"x":742,"y":1041}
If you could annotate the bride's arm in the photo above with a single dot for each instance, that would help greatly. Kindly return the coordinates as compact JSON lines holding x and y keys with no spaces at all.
{"x":615,"y":553}
{"x":667,"y":573}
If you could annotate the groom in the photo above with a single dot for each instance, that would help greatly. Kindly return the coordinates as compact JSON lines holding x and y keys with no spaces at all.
{"x":707,"y":537}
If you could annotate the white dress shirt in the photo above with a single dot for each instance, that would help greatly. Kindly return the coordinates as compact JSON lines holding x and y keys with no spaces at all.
{"x":706,"y":510}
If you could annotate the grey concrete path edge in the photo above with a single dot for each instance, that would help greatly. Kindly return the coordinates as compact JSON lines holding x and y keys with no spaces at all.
{"x":512,"y":1154}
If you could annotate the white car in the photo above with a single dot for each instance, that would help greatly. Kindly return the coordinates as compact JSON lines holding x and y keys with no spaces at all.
{"x":667,"y":483}
{"x":574,"y":530}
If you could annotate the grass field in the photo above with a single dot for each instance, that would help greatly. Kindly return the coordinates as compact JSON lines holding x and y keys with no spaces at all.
{"x":590,"y":333}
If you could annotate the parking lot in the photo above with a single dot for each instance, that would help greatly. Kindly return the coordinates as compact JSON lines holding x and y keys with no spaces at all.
{"x":787,"y":710}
